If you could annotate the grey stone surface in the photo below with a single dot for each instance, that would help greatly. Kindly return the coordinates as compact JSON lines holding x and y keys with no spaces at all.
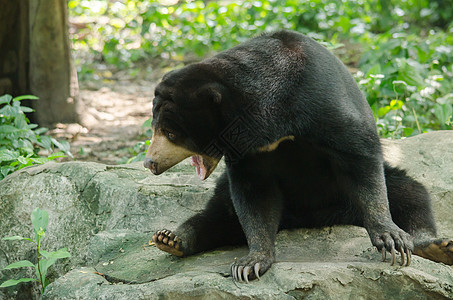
{"x":428,"y":158}
{"x":105,"y":216}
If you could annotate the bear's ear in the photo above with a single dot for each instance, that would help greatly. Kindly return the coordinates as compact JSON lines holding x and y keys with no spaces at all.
{"x":211,"y":91}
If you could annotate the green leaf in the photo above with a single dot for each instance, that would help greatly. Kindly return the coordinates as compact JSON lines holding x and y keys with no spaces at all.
{"x":7,"y":155}
{"x":10,"y":111}
{"x":13,"y":282}
{"x":383,"y":111}
{"x":446,"y":99}
{"x":13,"y":238}
{"x":138,"y":157}
{"x":376,"y":69}
{"x":46,"y":142}
{"x":396,"y":104}
{"x":408,"y":131}
{"x":19,"y":264}
{"x":410,"y":73}
{"x":5,"y":170}
{"x":16,"y":238}
{"x":4,"y":129}
{"x":5,"y":99}
{"x":58,"y":144}
{"x":61,"y":253}
{"x":62,"y":145}
{"x":394,"y":82}
{"x":56,"y":155}
{"x":51,"y":258}
{"x":39,"y":219}
{"x":23,"y":160}
{"x":39,"y":160}
{"x":443,"y":112}
{"x":147,"y":123}
{"x":46,"y":283}
{"x":41,"y":130}
{"x":26,"y":146}
{"x":25,"y":97}
{"x":44,"y":265}
{"x":26,"y":109}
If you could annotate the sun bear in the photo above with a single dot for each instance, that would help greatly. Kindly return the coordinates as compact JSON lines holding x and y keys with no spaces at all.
{"x":301,"y":150}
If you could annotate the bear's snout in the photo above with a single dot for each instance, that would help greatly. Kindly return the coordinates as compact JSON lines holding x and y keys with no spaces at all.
{"x":149,"y":164}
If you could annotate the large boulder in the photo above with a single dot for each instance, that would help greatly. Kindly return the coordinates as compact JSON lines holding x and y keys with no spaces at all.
{"x":105,"y":215}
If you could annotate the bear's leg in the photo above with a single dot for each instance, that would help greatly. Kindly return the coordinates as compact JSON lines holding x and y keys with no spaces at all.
{"x":258,"y":203}
{"x":363,"y":181}
{"x":217,"y":225}
{"x":410,"y":206}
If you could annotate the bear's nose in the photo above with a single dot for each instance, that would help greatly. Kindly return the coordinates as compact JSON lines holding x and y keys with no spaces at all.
{"x":148,"y":163}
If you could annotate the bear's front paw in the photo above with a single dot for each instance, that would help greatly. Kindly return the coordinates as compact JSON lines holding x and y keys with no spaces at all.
{"x":169,"y":242}
{"x":392,"y":239}
{"x":251,"y":266}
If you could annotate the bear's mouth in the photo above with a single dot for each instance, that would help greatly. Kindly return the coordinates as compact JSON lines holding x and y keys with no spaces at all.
{"x":204,"y":165}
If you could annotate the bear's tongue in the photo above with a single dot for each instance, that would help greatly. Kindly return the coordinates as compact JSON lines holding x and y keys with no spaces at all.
{"x":197,"y":161}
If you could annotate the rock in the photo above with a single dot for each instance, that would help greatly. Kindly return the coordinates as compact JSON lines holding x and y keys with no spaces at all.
{"x":105,"y":215}
{"x":428,"y":158}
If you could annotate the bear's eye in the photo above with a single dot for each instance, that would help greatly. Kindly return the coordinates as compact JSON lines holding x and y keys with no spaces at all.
{"x":170,"y":135}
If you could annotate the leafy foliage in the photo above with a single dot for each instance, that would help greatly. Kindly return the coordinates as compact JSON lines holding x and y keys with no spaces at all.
{"x":45,"y":259}
{"x":408,"y":81}
{"x":138,"y":152}
{"x":22,"y":143}
{"x":406,"y":46}
{"x":125,"y":31}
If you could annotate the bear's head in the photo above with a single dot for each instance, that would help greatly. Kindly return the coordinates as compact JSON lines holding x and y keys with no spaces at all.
{"x":186,"y":121}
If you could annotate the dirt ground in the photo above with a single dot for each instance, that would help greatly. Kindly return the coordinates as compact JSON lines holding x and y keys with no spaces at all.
{"x":114,"y":112}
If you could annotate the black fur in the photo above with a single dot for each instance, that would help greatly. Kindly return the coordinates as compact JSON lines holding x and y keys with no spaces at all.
{"x":276,"y":85}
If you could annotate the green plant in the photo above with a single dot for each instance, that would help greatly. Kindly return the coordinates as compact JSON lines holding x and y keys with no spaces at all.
{"x":407,"y":80}
{"x":138,"y":152}
{"x":45,"y":259}
{"x":406,"y":69}
{"x":22,"y":143}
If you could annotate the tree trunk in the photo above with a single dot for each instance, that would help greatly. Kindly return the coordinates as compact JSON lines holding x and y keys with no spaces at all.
{"x":35,"y":58}
{"x":14,"y":47}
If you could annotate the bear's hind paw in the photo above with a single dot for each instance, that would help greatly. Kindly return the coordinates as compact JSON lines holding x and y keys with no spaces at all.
{"x":167,"y":241}
{"x":438,"y":250}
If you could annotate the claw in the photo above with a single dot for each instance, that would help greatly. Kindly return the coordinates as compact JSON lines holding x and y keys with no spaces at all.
{"x":246,"y":274}
{"x":402,"y":256}
{"x":384,"y":254}
{"x":408,"y":254}
{"x":240,"y":269}
{"x":235,"y":274}
{"x":257,"y":270}
{"x":393,"y":256}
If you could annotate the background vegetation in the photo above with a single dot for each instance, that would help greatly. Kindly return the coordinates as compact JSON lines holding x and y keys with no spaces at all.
{"x":22,"y":143}
{"x":401,"y":52}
